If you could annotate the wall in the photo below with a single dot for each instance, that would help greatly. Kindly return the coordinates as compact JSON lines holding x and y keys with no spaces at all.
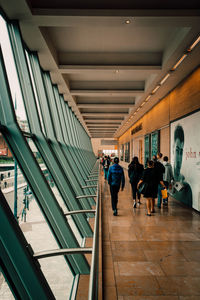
{"x":96,"y":145}
{"x":184,"y":99}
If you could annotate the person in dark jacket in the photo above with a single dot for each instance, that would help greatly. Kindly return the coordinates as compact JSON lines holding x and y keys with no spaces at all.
{"x":160,"y":170}
{"x":115,"y":180}
{"x":150,"y":177}
{"x":135,"y":171}
{"x":106,"y":164}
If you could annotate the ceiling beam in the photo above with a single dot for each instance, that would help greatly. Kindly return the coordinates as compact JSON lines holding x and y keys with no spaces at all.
{"x":103,"y":93}
{"x":106,"y":105}
{"x":83,"y":69}
{"x":104,"y":115}
{"x":103,"y":121}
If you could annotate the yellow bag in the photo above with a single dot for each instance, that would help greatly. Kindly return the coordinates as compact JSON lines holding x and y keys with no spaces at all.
{"x":164,"y":193}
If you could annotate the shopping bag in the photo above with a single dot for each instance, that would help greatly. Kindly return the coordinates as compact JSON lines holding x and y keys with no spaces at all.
{"x":164,"y":193}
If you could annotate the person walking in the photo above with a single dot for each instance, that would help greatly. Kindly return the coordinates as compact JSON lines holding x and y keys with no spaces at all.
{"x":115,"y":180}
{"x":150,"y":179}
{"x":135,"y":171}
{"x":167,"y":176}
{"x":106,"y":164}
{"x":160,"y":170}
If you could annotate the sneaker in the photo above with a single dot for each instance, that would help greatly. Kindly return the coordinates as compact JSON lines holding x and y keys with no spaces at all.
{"x":134,"y":204}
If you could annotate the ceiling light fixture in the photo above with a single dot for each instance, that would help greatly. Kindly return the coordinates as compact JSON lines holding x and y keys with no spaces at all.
{"x":127,"y":22}
{"x":156,"y":88}
{"x":165,"y":78}
{"x":179,"y":62}
{"x":194,"y":44}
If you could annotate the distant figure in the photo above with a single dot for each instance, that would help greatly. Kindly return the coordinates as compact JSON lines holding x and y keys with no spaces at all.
{"x":135,"y":171}
{"x":160,"y":169}
{"x":183,"y":194}
{"x":115,"y":180}
{"x":106,"y":164}
{"x":150,"y":177}
{"x":168,"y":176}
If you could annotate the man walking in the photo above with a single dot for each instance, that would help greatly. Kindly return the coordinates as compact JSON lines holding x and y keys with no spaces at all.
{"x":115,"y":180}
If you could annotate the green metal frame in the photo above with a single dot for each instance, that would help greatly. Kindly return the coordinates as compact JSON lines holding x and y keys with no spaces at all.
{"x":25,"y":278}
{"x":50,"y":157}
{"x":35,"y":178}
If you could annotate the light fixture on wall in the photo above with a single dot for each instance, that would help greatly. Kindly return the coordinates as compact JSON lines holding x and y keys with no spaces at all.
{"x":147,"y":98}
{"x":194,"y":44}
{"x":179,"y":62}
{"x":127,"y":21}
{"x":156,"y":88}
{"x":165,"y":78}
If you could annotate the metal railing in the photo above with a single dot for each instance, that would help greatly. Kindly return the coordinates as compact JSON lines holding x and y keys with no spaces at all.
{"x":94,"y":250}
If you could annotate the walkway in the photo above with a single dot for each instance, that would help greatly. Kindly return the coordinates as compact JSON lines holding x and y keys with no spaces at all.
{"x":155,"y":257}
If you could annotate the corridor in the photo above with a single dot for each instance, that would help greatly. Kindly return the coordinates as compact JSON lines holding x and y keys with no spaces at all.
{"x":155,"y":257}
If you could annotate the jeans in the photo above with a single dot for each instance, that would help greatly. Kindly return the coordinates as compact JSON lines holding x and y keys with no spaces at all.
{"x":135,"y":190}
{"x":114,"y":190}
{"x":159,"y":194}
{"x":105,"y":170}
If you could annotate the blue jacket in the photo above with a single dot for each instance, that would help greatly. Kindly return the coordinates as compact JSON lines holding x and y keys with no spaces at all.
{"x":116,"y":176}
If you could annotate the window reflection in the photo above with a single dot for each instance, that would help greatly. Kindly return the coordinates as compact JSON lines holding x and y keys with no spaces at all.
{"x":12,"y":76}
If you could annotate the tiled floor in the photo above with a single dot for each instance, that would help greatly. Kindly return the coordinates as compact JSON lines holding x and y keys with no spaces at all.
{"x":155,"y":257}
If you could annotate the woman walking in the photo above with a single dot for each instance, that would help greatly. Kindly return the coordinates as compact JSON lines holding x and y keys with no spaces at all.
{"x":135,"y":171}
{"x":151,"y":179}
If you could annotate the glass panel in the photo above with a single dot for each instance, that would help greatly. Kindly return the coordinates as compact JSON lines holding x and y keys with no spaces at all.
{"x":34,"y":226}
{"x":12,"y":76}
{"x":35,"y":91}
{"x":53,"y":187}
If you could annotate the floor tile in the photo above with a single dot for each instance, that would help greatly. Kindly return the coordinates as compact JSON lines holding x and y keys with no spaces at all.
{"x":137,"y":286}
{"x":181,"y":268}
{"x":180,"y":285}
{"x":140,"y":269}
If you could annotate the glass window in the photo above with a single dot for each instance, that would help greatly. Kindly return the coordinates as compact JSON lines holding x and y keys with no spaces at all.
{"x":34,"y":225}
{"x":122,"y":152}
{"x":12,"y":76}
{"x":5,"y":292}
{"x":35,"y":91}
{"x":53,"y":187}
{"x":127,"y":152}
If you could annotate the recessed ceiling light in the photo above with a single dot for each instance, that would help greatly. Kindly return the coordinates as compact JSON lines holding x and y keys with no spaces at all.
{"x":127,"y":21}
{"x":116,"y":71}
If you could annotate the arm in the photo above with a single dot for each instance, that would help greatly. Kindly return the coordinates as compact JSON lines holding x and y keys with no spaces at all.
{"x":123,"y":180}
{"x":109,"y":176}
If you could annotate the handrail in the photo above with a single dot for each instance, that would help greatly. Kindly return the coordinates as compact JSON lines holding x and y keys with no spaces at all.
{"x":94,"y":250}
{"x":88,"y":180}
{"x":73,"y":212}
{"x":93,"y":284}
{"x":89,"y":186}
{"x":58,"y":252}
{"x":85,"y":196}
